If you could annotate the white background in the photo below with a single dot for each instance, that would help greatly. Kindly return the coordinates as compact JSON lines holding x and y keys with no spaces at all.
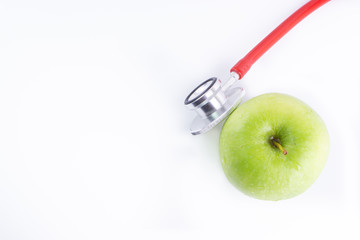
{"x":94,"y":140}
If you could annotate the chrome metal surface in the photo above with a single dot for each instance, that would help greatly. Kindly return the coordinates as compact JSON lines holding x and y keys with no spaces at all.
{"x":213,"y":102}
{"x":234,"y":77}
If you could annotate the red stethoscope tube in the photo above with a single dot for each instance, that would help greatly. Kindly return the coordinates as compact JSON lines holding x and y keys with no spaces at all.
{"x":243,"y":66}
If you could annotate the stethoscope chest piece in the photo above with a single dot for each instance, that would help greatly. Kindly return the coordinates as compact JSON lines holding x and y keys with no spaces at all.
{"x":213,"y":103}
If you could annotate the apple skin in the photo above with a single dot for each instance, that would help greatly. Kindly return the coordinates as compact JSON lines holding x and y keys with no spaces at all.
{"x":254,"y":165}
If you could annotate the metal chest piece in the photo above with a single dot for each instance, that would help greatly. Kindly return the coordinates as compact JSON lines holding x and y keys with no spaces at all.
{"x":213,"y":102}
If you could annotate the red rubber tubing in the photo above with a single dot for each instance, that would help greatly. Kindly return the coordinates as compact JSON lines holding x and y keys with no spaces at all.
{"x":243,"y":66}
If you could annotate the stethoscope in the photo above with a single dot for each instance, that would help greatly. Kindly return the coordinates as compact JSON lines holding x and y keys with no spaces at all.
{"x":213,"y":100}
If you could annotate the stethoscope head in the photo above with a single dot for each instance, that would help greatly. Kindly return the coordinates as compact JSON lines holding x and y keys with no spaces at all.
{"x":213,"y":102}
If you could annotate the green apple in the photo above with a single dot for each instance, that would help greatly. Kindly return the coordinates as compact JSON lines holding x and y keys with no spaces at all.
{"x":273,"y":147}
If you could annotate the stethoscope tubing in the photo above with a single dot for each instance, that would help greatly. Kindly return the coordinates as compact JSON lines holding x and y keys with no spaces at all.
{"x":244,"y":65}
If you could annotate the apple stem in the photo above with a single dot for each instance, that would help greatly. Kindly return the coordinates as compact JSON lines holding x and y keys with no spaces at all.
{"x":278,"y":145}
